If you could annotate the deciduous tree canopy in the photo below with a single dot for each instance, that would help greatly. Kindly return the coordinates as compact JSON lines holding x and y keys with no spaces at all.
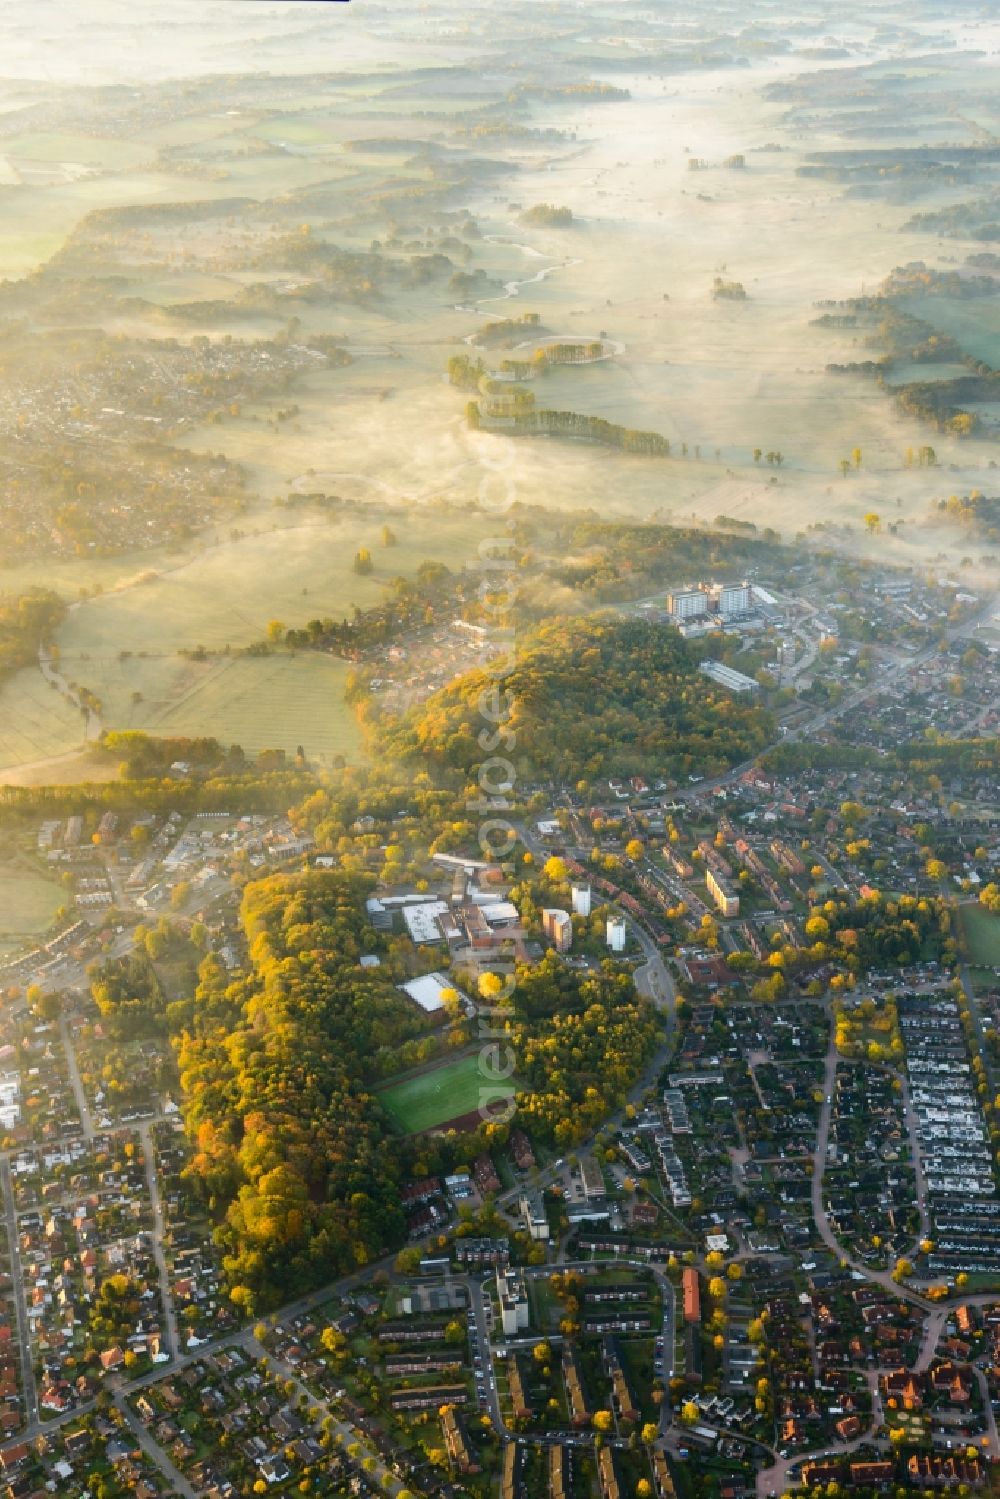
{"x":591,"y":697}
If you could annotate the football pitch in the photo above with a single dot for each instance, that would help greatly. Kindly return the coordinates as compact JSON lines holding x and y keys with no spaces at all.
{"x":440,"y":1095}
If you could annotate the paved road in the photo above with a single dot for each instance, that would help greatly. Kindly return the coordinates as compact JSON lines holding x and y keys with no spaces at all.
{"x":919,"y":1181}
{"x":669,"y":1301}
{"x":820,"y":1217}
{"x":239,"y":1337}
{"x":346,"y":1434}
{"x":774,"y":1480}
{"x":17,"y":1288}
{"x":79,"y":1092}
{"x":849,"y":704}
{"x":977,"y":1021}
{"x":653,"y":978}
{"x":991,"y":1420}
{"x":159,"y":1233}
{"x":245,"y":1338}
{"x":887,"y":675}
{"x":477,"y":1301}
{"x":155,"y":1452}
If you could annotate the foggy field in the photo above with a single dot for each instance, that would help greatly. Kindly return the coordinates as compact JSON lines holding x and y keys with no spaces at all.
{"x":279,"y":702}
{"x":124,"y":646}
{"x":274,"y":702}
{"x":227,"y":596}
{"x":974,"y":325}
{"x":463,"y":463}
{"x":56,"y":150}
{"x":370,"y":200}
{"x":35,"y":721}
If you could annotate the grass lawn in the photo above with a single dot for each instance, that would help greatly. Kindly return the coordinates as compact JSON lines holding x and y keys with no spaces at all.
{"x":28,"y":902}
{"x":440,"y":1094}
{"x":637,"y":1358}
{"x":983,"y":980}
{"x":982,"y":934}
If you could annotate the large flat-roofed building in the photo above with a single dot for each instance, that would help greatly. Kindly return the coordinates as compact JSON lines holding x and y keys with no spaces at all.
{"x":428,"y":990}
{"x":592,"y":1178}
{"x":617,"y":933}
{"x":536,"y":1219}
{"x":558,"y":927}
{"x":722,"y":892}
{"x":733,"y":681}
{"x":765,"y":603}
{"x":512,"y":1294}
{"x":735,"y":607}
{"x":732,"y":598}
{"x":422,"y":922}
{"x":687,"y":603}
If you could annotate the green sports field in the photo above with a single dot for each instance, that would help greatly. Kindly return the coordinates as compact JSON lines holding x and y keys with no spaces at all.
{"x":982,"y":934}
{"x":441,"y":1095}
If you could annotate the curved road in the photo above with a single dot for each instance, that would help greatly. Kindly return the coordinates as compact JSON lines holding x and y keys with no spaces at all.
{"x":773,"y":1480}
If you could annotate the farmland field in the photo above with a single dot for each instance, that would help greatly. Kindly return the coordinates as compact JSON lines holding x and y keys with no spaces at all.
{"x":35,"y":721}
{"x":125,"y":645}
{"x":386,"y":226}
{"x":55,"y":148}
{"x":381,"y":153}
{"x":982,"y":935}
{"x":439,"y":1095}
{"x":227,"y":595}
{"x":270,"y":702}
{"x":276,"y":702}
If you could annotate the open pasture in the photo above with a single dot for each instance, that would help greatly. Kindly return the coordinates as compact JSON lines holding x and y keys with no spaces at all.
{"x":973,"y":322}
{"x":125,"y":645}
{"x":66,"y":149}
{"x":36,"y":721}
{"x":227,"y":595}
{"x":275,"y":702}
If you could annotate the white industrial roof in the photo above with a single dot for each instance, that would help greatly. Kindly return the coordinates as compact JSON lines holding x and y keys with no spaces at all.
{"x":427,"y":991}
{"x":422,"y":921}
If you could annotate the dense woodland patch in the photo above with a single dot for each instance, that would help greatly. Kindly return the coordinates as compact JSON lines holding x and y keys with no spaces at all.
{"x":591,"y":697}
{"x":294,"y":1154}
